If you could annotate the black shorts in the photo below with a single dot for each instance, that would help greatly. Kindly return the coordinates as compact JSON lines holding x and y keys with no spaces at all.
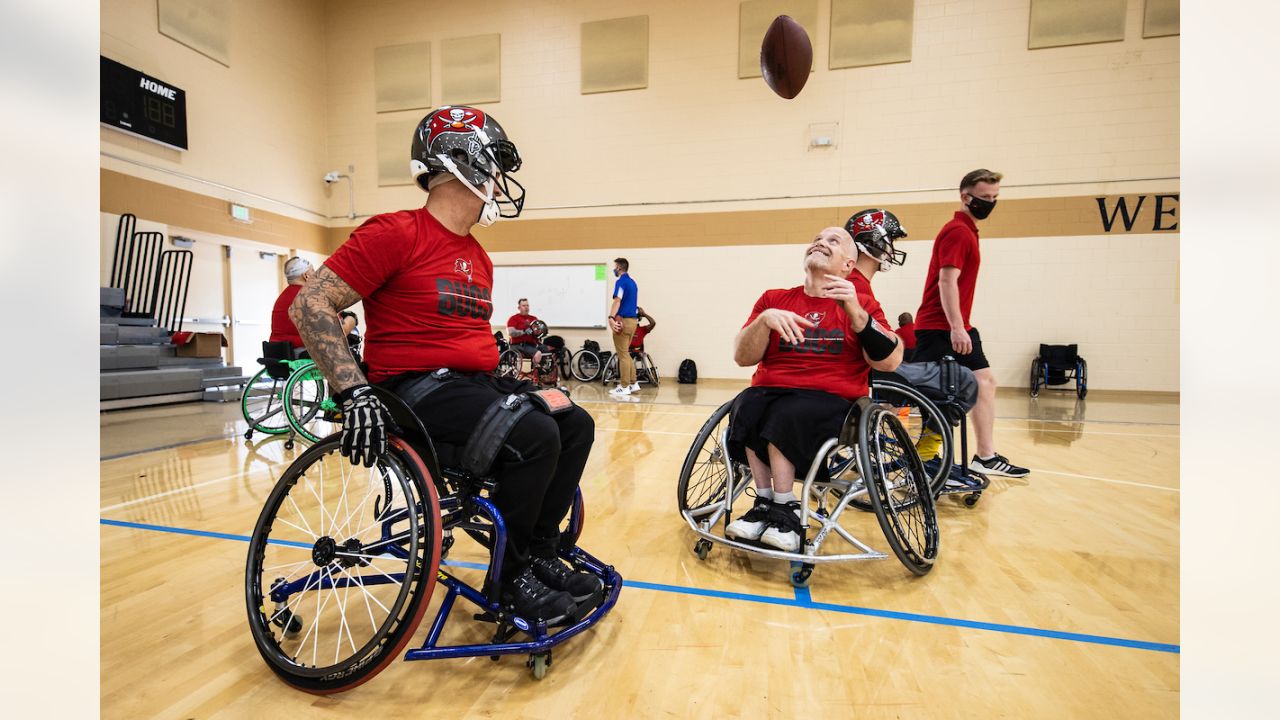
{"x":528,"y":349}
{"x":932,"y":345}
{"x":795,"y":421}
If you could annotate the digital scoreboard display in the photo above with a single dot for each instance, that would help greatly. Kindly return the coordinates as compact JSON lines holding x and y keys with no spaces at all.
{"x":141,"y":105}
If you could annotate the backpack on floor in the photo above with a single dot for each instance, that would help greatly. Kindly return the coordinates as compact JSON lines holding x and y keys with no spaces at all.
{"x":688,"y":372}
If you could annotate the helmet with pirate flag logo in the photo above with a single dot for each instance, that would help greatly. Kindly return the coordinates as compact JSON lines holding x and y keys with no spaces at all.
{"x":874,"y":231}
{"x":463,"y":143}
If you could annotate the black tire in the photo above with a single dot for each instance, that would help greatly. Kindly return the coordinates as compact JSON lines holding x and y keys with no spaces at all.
{"x":651,"y":370}
{"x":925,"y":421}
{"x":263,"y":406}
{"x":898,"y":489}
{"x":1082,"y":380}
{"x":704,"y":472}
{"x":1035,"y":377}
{"x":585,"y":365}
{"x":610,"y":371}
{"x":563,"y":356}
{"x":508,"y":364}
{"x":392,"y":558}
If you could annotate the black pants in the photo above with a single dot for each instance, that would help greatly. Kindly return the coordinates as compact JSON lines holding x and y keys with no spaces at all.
{"x":796,"y":421}
{"x":538,"y":469}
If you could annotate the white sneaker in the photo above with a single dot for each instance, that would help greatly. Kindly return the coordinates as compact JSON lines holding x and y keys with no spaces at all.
{"x":620,"y":391}
{"x":784,"y":527}
{"x":634,"y":387}
{"x":752,"y":523}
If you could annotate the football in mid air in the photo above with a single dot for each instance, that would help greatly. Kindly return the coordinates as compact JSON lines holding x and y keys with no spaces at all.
{"x":786,"y":57}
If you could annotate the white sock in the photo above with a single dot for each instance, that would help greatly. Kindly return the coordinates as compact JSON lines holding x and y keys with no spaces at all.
{"x":784,"y":498}
{"x":984,"y":459}
{"x":766,"y":493}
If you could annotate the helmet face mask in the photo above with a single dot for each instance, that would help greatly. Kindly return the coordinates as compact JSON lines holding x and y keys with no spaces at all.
{"x":873,"y":232}
{"x":472,"y":147}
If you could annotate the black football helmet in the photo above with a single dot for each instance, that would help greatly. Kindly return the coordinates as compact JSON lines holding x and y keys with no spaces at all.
{"x":874,"y":231}
{"x":471,"y":146}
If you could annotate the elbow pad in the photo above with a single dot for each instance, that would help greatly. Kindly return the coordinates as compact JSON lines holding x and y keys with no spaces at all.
{"x":876,"y":344}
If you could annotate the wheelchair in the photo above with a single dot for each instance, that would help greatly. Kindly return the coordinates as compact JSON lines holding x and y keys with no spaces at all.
{"x":646,"y":371}
{"x":586,"y":364}
{"x":344,"y":560}
{"x":873,"y":460}
{"x":930,"y":424}
{"x":1058,"y":365}
{"x":546,"y":372}
{"x":296,"y":402}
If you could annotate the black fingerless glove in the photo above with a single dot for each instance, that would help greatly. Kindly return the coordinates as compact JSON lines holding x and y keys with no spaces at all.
{"x":364,"y":425}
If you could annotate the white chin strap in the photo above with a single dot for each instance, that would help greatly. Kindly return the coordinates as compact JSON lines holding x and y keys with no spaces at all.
{"x":489,"y":212}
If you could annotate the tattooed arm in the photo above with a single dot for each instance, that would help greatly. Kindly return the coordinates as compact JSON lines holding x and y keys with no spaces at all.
{"x":315,"y":313}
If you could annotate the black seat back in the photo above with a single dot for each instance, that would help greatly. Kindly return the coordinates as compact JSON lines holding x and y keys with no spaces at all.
{"x":413,"y":432}
{"x":274,"y":357}
{"x":1059,"y":356}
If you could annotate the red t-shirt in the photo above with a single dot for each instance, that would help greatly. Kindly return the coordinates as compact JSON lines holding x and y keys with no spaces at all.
{"x":956,"y":246}
{"x":829,"y":359}
{"x":282,"y":328}
{"x":427,"y":295}
{"x":637,"y":340}
{"x":908,"y":334}
{"x":522,"y":322}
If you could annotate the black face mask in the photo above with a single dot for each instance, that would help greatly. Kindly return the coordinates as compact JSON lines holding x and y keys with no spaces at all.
{"x":981,"y":208}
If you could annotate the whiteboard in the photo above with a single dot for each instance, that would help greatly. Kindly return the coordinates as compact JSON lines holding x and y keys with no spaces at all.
{"x":562,"y":296}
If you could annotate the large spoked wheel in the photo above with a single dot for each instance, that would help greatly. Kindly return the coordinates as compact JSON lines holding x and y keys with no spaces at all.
{"x":585,"y":365}
{"x":508,"y":364}
{"x":309,"y":408}
{"x":1082,"y":380}
{"x":705,"y":472}
{"x":563,"y":357}
{"x":548,"y":370}
{"x":1035,"y":377}
{"x":651,"y":370}
{"x":610,"y":372}
{"x":341,"y":566}
{"x":263,"y":405}
{"x":898,"y":489}
{"x":929,"y":429}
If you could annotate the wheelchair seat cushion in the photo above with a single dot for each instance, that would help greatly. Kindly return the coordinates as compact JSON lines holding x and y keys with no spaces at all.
{"x":796,"y":421}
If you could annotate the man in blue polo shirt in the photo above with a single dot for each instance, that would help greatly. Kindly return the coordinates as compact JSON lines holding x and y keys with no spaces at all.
{"x":622,"y":321}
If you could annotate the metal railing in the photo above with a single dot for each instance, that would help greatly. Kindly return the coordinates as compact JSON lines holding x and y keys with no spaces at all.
{"x":173,"y":280}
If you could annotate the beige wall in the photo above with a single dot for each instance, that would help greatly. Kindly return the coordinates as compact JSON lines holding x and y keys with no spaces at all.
{"x":1115,"y":297}
{"x":973,"y":95}
{"x":257,"y":126}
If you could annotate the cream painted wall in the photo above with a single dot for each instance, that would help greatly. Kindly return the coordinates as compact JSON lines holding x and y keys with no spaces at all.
{"x":1115,"y":297}
{"x":258,"y":126}
{"x":972,"y":96}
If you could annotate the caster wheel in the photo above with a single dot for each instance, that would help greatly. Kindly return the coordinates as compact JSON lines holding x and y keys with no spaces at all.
{"x":800,"y":578}
{"x":291,"y":623}
{"x":971,"y":499}
{"x":248,"y":434}
{"x":538,"y":665}
{"x":288,"y":444}
{"x":702,"y":548}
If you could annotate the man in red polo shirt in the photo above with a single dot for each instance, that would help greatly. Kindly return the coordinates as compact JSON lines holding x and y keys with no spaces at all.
{"x":427,"y":288}
{"x":296,"y":273}
{"x":637,"y":340}
{"x":942,"y":323}
{"x":814,"y":346}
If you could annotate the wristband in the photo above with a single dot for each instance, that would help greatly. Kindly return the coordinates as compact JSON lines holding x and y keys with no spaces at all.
{"x":874,"y":343}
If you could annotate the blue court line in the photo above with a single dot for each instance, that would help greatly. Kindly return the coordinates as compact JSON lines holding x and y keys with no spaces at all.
{"x":801,"y":599}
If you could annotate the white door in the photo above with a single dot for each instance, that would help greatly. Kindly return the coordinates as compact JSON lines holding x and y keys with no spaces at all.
{"x":256,"y":282}
{"x":206,"y":305}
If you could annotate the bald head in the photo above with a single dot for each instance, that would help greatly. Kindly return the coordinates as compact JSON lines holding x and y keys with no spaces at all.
{"x":831,"y":251}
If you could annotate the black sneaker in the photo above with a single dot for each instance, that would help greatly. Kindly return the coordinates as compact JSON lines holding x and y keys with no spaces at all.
{"x":752,"y":523}
{"x":533,"y":601}
{"x":998,"y":465}
{"x":559,"y":576}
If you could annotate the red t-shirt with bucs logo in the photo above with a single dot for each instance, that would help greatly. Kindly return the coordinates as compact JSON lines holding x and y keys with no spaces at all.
{"x":522,"y":322}
{"x":427,"y":295}
{"x":830,"y":357}
{"x":637,"y":340}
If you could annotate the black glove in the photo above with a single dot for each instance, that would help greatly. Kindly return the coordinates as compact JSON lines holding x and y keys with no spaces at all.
{"x":364,"y":425}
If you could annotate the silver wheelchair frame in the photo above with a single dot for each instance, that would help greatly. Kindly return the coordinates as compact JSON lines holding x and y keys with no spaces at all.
{"x":846,"y":484}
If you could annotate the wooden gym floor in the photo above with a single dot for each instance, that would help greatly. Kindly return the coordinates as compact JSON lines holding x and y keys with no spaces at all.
{"x":1056,"y":596}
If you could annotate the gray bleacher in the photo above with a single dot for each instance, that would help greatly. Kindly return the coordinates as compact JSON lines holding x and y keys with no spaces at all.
{"x":138,"y":365}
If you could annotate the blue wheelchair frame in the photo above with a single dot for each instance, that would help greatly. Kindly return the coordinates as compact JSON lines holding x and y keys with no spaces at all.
{"x":460,"y":501}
